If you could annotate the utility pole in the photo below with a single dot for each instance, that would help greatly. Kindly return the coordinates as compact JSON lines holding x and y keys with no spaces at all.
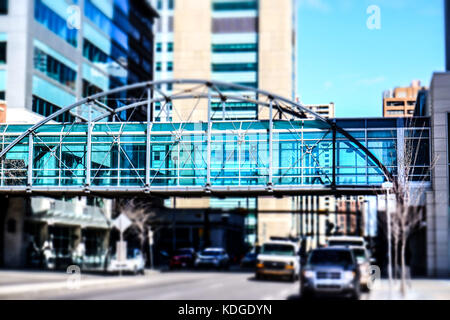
{"x":150,"y":243}
{"x":388,"y":186}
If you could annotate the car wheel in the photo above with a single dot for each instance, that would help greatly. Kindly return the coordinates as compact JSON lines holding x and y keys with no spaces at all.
{"x":356,"y":295}
{"x":365,"y":288}
{"x":292,"y":278}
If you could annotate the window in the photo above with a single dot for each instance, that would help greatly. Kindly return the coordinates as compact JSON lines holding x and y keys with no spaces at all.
{"x":2,"y":52}
{"x":234,"y":47}
{"x":89,"y":89}
{"x":169,"y":66}
{"x":159,"y":47}
{"x":54,"y":68}
{"x":159,"y":5}
{"x":92,"y":53}
{"x":241,"y":5}
{"x":52,"y":21}
{"x":105,"y":24}
{"x":232,"y":67}
{"x":46,"y":108}
{"x":3,"y":6}
{"x":395,"y":112}
{"x":395,"y":103}
{"x":170,"y":47}
{"x":2,"y":95}
{"x":171,"y":4}
{"x":158,"y":66}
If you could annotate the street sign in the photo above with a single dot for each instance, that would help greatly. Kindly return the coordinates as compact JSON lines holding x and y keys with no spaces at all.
{"x":121,"y":250}
{"x":150,"y":237}
{"x":387,"y":185}
{"x":122,"y":222}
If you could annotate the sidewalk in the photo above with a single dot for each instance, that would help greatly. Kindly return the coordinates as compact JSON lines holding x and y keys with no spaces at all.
{"x":16,"y":282}
{"x":417,"y":289}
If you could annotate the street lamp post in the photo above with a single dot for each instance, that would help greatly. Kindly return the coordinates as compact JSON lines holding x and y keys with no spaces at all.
{"x":387,"y":186}
{"x":150,"y":242}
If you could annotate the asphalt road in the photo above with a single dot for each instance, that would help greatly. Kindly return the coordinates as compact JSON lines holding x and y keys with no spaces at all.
{"x":186,"y":285}
{"x":183,"y":285}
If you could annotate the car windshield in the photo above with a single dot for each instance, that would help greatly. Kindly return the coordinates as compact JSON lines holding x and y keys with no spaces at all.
{"x":183,"y":252}
{"x":278,"y":249}
{"x":211,"y":253}
{"x":133,"y":253}
{"x":360,"y":255}
{"x":330,"y":257}
{"x":345,"y":243}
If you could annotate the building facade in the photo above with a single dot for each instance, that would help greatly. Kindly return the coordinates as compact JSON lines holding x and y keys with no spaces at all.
{"x":247,"y":42}
{"x":438,"y":219}
{"x":401,"y":101}
{"x":447,"y":34}
{"x":324,"y":110}
{"x":52,"y":54}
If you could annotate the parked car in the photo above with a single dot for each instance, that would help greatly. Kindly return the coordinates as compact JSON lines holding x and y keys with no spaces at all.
{"x":213,"y":257}
{"x":346,"y":241}
{"x":278,"y":258}
{"x":134,"y":263}
{"x":182,"y":258}
{"x":249,"y":260}
{"x":331,"y":271}
{"x":364,"y":261}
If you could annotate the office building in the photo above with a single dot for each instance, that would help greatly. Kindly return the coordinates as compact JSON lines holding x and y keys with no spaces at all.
{"x":438,"y":218}
{"x":53,"y":53}
{"x":250,"y":42}
{"x":324,"y":110}
{"x":447,"y":34}
{"x":246,"y":42}
{"x":401,"y":101}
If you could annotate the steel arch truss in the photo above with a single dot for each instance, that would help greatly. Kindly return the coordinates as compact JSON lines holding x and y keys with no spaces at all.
{"x":194,"y":141}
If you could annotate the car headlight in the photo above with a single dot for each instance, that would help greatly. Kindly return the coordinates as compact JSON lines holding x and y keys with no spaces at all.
{"x":289,"y":265}
{"x":308,"y":274}
{"x":349,"y":275}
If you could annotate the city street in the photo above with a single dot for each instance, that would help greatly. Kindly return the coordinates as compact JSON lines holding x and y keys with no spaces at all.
{"x":190,"y":285}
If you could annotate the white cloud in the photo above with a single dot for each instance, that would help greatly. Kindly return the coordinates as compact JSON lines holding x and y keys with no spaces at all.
{"x":328,"y":85}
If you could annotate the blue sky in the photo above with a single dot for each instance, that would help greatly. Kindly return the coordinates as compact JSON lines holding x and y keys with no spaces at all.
{"x":343,"y":61}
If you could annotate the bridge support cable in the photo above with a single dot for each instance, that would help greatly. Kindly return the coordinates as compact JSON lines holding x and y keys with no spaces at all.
{"x":208,"y":144}
{"x":89,"y":148}
{"x":270,"y":182}
{"x":30,"y":162}
{"x":148,"y":139}
{"x":333,"y":183}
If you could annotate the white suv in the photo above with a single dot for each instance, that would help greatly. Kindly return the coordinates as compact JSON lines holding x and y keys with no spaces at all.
{"x":346,"y":241}
{"x":278,"y":258}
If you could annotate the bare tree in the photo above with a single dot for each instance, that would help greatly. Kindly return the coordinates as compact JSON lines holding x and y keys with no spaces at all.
{"x":409,"y":190}
{"x":15,"y":171}
{"x":144,"y":215}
